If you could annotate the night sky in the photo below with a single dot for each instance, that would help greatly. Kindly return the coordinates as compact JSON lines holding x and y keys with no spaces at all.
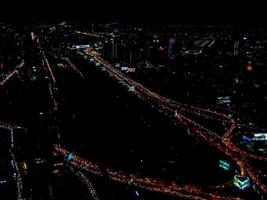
{"x":166,"y":11}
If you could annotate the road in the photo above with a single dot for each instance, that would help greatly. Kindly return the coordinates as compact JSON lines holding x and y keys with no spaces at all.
{"x":154,"y":185}
{"x":12,"y":74}
{"x":182,"y":113}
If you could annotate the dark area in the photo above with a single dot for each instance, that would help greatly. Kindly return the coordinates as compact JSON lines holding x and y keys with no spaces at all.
{"x":131,"y":100}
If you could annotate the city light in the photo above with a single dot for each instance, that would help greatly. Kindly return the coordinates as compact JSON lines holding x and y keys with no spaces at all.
{"x":119,"y":111}
{"x":241,"y":182}
{"x":224,"y":165}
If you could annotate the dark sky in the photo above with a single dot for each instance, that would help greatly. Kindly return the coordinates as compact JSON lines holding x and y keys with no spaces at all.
{"x":167,"y":11}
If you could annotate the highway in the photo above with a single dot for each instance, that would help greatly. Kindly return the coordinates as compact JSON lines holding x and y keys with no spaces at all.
{"x":182,"y":113}
{"x":178,"y":109}
{"x":14,"y":162}
{"x":154,"y":185}
{"x":12,"y":74}
{"x":73,"y":67}
{"x":84,"y":179}
{"x":203,"y":122}
{"x":192,"y":117}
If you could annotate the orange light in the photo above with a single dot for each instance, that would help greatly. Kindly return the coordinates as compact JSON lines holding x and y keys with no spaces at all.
{"x":161,"y":49}
{"x":249,"y":68}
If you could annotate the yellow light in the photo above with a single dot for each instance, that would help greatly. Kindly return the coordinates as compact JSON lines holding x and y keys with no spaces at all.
{"x":24,"y":166}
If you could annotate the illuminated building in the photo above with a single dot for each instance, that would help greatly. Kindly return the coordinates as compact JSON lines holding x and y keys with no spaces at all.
{"x":170,"y":47}
{"x":224,"y":165}
{"x":118,"y":65}
{"x":241,"y":182}
{"x":39,"y":161}
{"x":131,"y":69}
{"x":114,"y":49}
{"x":131,"y":88}
{"x":260,"y":137}
{"x":124,"y":69}
{"x":69,"y":157}
{"x":97,"y":64}
{"x":246,"y":138}
{"x":82,"y":46}
{"x":224,"y":100}
{"x":3,"y":182}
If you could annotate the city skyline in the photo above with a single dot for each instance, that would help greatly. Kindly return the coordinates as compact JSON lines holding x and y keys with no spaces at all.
{"x":134,"y":100}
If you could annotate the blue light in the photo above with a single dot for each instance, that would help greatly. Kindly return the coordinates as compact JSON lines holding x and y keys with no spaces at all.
{"x":69,"y":157}
{"x":223,"y":164}
{"x":246,"y":139}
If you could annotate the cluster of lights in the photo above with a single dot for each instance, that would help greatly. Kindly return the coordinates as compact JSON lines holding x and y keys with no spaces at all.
{"x":154,"y":185}
{"x":222,"y":143}
{"x":81,"y":176}
{"x":73,"y":67}
{"x":12,"y":74}
{"x":17,"y":174}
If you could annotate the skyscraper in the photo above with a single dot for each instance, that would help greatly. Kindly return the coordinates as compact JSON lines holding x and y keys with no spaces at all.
{"x":170,"y":47}
{"x":114,"y":49}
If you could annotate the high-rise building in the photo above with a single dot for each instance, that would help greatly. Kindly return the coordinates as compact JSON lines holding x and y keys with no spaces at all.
{"x":114,"y":49}
{"x":224,"y":165}
{"x":241,"y":182}
{"x":171,"y":44}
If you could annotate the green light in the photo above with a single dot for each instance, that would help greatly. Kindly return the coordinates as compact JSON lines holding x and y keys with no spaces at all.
{"x":131,"y":89}
{"x":97,"y":64}
{"x":34,"y":77}
{"x":241,"y":182}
